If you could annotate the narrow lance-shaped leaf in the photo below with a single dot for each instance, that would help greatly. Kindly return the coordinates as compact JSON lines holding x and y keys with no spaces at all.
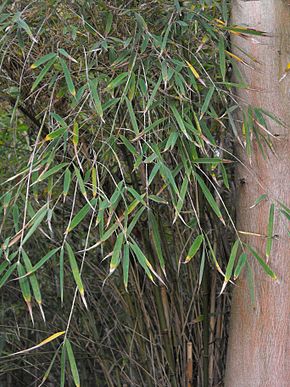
{"x":207,"y":101}
{"x":7,"y":274}
{"x":62,"y":365}
{"x":132,"y":116}
{"x":263,"y":264}
{"x":209,"y":197}
{"x":116,"y":253}
{"x":52,"y":171}
{"x":61,"y":274}
{"x":43,"y":260}
{"x":230,"y":265}
{"x":222,"y":58}
{"x":156,"y":239}
{"x":194,"y":248}
{"x":75,"y":133}
{"x":68,"y":78}
{"x":141,"y":259}
{"x":80,"y":215}
{"x":117,"y":81}
{"x":55,"y":134}
{"x":270,"y":231}
{"x":76,"y":272}
{"x":93,"y":84}
{"x":35,"y":222}
{"x":33,"y":282}
{"x":42,"y":74}
{"x":241,"y":263}
{"x":66,"y":183}
{"x":25,"y":288}
{"x":125,"y":264}
{"x":43,"y":60}
{"x":72,"y":363}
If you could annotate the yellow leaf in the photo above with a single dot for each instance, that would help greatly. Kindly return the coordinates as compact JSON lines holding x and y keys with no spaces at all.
{"x":194,"y":72}
{"x":45,"y":341}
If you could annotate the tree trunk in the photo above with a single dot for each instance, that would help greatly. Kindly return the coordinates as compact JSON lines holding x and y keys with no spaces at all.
{"x":259,"y":343}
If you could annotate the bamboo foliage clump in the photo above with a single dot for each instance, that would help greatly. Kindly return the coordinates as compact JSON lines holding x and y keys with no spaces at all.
{"x":117,"y":221}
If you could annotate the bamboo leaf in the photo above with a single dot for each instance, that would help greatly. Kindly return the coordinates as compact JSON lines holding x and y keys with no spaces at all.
{"x":156,"y":239}
{"x":194,"y":248}
{"x":263,"y":264}
{"x":72,"y":363}
{"x":76,"y":272}
{"x":51,"y":171}
{"x":126,"y":263}
{"x":209,"y":197}
{"x":116,"y":253}
{"x":121,"y":78}
{"x":230,"y":265}
{"x":80,"y":215}
{"x":270,"y":231}
{"x":42,"y":74}
{"x":241,"y":263}
{"x":43,"y":60}
{"x":222,"y":59}
{"x":93,"y":85}
{"x":68,"y":78}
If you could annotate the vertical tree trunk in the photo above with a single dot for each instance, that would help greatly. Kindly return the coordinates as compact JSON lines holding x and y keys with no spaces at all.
{"x":259,"y":344}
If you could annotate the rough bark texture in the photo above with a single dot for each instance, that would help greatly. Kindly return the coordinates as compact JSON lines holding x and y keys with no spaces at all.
{"x":259,"y":344}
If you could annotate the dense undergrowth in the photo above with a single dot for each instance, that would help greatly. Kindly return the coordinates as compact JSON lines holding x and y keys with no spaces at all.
{"x":117,"y":222}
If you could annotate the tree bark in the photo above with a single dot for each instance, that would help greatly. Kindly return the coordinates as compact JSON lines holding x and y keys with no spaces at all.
{"x":259,"y":342}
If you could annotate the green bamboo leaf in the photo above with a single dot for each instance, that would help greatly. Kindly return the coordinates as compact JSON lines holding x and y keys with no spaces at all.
{"x":270,"y":231}
{"x":207,"y":100}
{"x":116,"y":253}
{"x":135,"y":220}
{"x":47,"y":372}
{"x":81,"y":215}
{"x":68,"y":78}
{"x":154,"y":92}
{"x":62,"y":366}
{"x":125,"y":264}
{"x":209,"y":197}
{"x":23,"y":25}
{"x":141,"y":259}
{"x":63,"y":52}
{"x":66,"y":182}
{"x":61,"y":273}
{"x":55,"y":134}
{"x":117,"y":81}
{"x":259,"y":200}
{"x":33,"y":282}
{"x":93,"y":85}
{"x":75,"y":133}
{"x":76,"y":272}
{"x":264,"y":265}
{"x":43,"y":260}
{"x":80,"y":181}
{"x":179,"y":120}
{"x":222,"y":58}
{"x":132,"y":116}
{"x":230,"y":265}
{"x":7,"y":274}
{"x":194,"y":248}
{"x":35,"y":222}
{"x":156,"y":238}
{"x":72,"y":363}
{"x":51,"y":171}
{"x":24,"y":283}
{"x":42,"y":74}
{"x":241,"y":263}
{"x":43,"y":60}
{"x":183,"y":192}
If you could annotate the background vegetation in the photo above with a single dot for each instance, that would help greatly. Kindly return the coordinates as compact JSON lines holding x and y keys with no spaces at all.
{"x":117,"y":221}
